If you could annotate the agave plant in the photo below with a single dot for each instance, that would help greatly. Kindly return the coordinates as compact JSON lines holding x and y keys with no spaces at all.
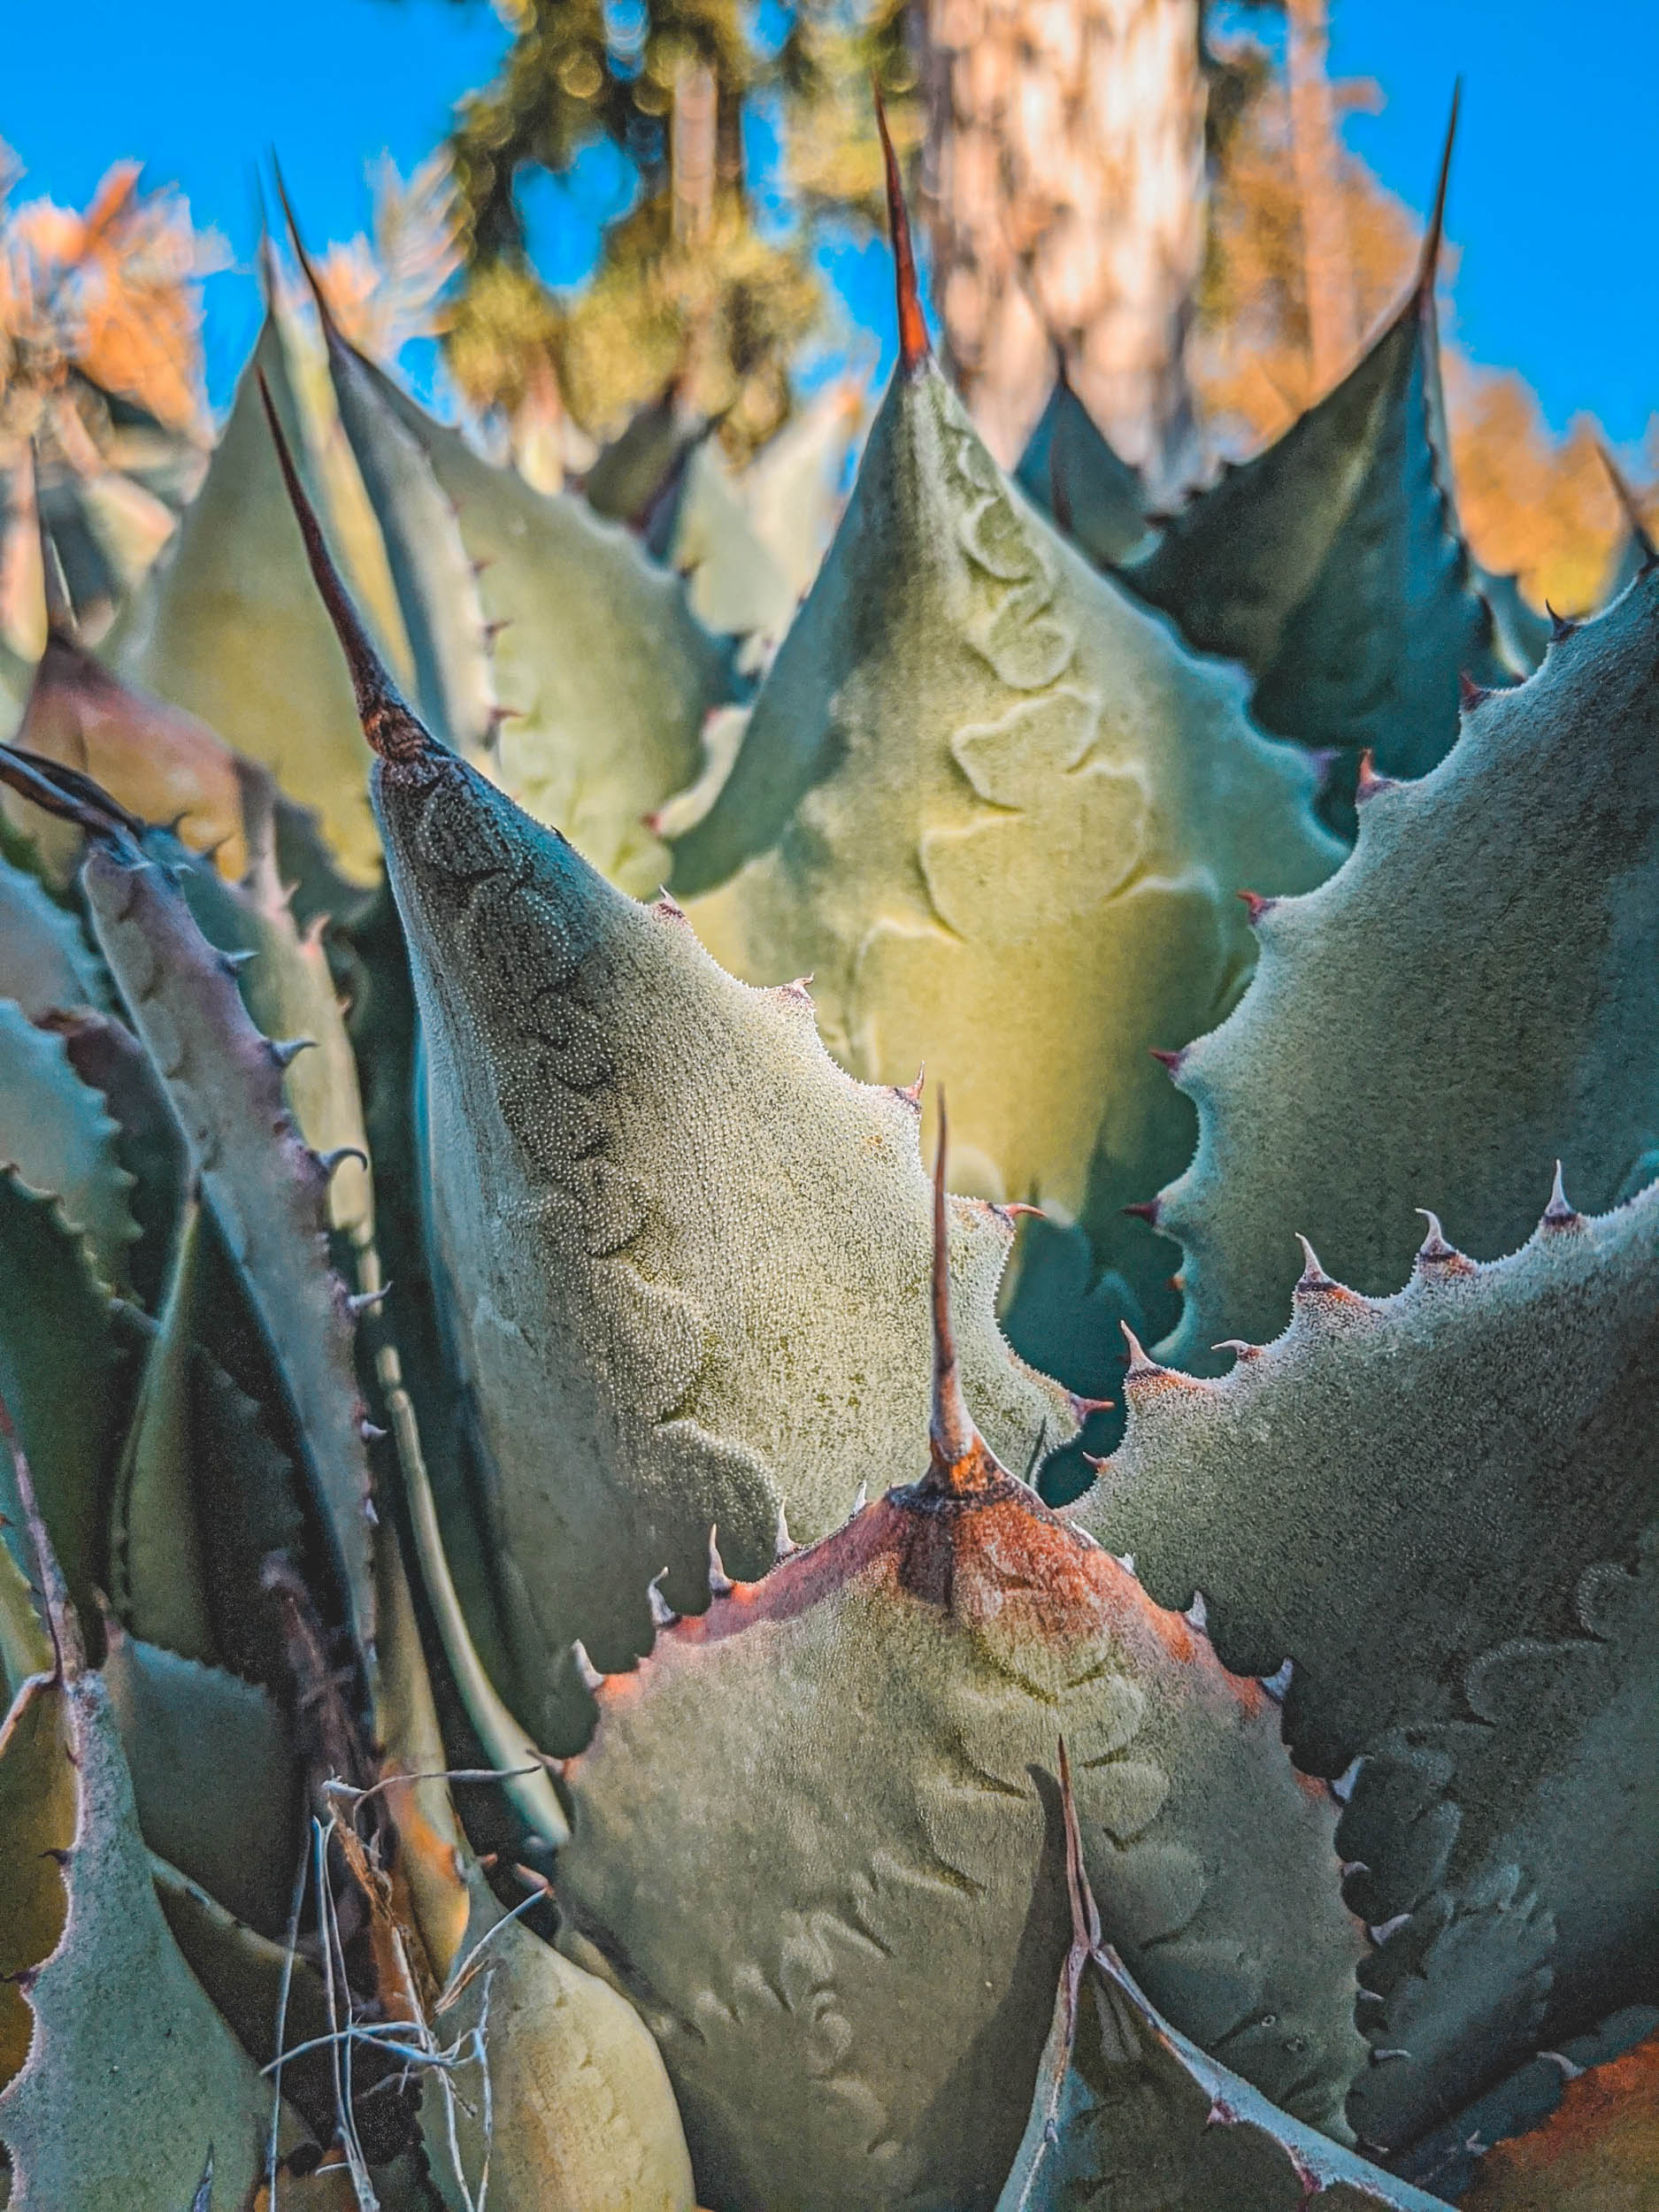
{"x":550,"y":1661}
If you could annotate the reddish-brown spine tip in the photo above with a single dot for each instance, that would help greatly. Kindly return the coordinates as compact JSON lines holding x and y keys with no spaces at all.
{"x":1369,"y":782}
{"x":1172,"y":1061}
{"x":1434,"y":238}
{"x":913,"y":345}
{"x":1143,"y":1210}
{"x":1256,"y":905}
{"x":1470,"y":694}
{"x":388,"y":724}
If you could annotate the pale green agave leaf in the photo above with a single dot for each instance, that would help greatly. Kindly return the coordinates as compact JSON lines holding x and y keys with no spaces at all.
{"x":214,"y":1775}
{"x":608,"y":1118}
{"x":60,"y":1378}
{"x":1130,"y":2116}
{"x":603,"y":672}
{"x":266,"y":1188}
{"x":1474,"y":995}
{"x":1331,"y":565}
{"x":737,"y":586}
{"x":56,"y":1136}
{"x":641,"y":463}
{"x":1070,"y":472}
{"x":149,"y":1144}
{"x":862,"y":1745}
{"x":45,"y":962}
{"x":792,"y":487}
{"x":227,"y":624}
{"x":999,"y":814}
{"x":131,"y":2076}
{"x":1441,"y":1507}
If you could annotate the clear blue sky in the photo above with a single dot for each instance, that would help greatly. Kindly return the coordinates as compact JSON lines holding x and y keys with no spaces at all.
{"x":1551,"y":201}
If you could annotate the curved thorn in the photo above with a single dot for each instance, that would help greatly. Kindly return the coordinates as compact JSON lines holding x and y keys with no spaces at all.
{"x":662,"y":1614}
{"x":913,"y":345}
{"x":1561,"y":625}
{"x":720,"y":1583}
{"x":1083,"y":1406}
{"x":586,"y":1673}
{"x":1435,"y":1246}
{"x":1143,"y":1210}
{"x":1369,"y":783}
{"x":286,"y":1051}
{"x":1240,"y":1347}
{"x":1470,"y":694}
{"x":950,"y":1430}
{"x":1139,"y":1366}
{"x":331,"y":1162}
{"x":391,"y":729}
{"x":371,"y":1432}
{"x":1313,"y":1276}
{"x":1172,"y":1061}
{"x":1560,"y":1212}
{"x":1256,"y":905}
{"x":783,"y":1545}
{"x":860,"y":1501}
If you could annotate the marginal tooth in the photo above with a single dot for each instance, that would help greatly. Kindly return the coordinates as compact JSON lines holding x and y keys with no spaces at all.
{"x":1143,"y":1210}
{"x":912,"y":1093}
{"x":860,"y":1501}
{"x":1081,"y":1407}
{"x":1379,"y":1935}
{"x":1196,"y":1614}
{"x":289,"y":1048}
{"x":234,"y":962}
{"x":370,"y":1433}
{"x":359,"y":1301}
{"x":1313,"y":1276}
{"x":1171,"y":1061}
{"x":1470,"y":694}
{"x":662,"y":1614}
{"x":1342,"y":1788}
{"x":1369,"y":782}
{"x":720,"y":1583}
{"x":1277,"y":1684}
{"x":1559,"y":1214}
{"x":784,"y":1545}
{"x":1435,"y":1246}
{"x":1256,"y":905}
{"x":1240,"y":1347}
{"x":586,"y":1673}
{"x":1561,"y":627}
{"x":668,"y":906}
{"x":1141,"y":1369}
{"x":331,"y":1162}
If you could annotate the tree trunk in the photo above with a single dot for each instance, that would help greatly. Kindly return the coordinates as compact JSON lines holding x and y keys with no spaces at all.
{"x":1065,"y":190}
{"x":1332,"y":318}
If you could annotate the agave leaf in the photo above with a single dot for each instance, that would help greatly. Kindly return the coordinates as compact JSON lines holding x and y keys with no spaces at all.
{"x":639,"y":465}
{"x":57,"y":1137}
{"x":1599,"y":2152}
{"x":1129,"y":2114}
{"x":266,"y":1189}
{"x":130,"y":2074}
{"x":1468,"y":1000}
{"x":862,"y":1746}
{"x":582,"y":2112}
{"x":205,"y":1493}
{"x":1480,"y":1636}
{"x":24,"y":1646}
{"x":643,"y":1364}
{"x":737,"y":586}
{"x":60,"y":1375}
{"x":45,"y":963}
{"x":435,"y":586}
{"x":603,"y":673}
{"x":149,"y":1145}
{"x":163,"y":763}
{"x":228,"y":627}
{"x":1070,"y":471}
{"x":1331,"y":565}
{"x":37,"y":1825}
{"x":214,"y":1775}
{"x":244,"y":1973}
{"x":999,"y":814}
{"x":793,"y":486}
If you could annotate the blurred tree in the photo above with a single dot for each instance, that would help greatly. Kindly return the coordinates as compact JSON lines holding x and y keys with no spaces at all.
{"x":1066,"y":179}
